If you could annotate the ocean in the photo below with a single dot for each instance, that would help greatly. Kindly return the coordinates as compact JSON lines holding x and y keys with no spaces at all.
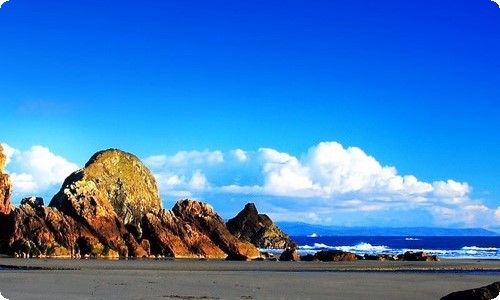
{"x":445,"y":247}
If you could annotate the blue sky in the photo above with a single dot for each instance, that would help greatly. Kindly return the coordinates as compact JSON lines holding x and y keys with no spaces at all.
{"x":379,"y":113}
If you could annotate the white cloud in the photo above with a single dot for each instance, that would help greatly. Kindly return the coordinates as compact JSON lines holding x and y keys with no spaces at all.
{"x":451,"y":189}
{"x":24,"y":183}
{"x":182,"y":186}
{"x":343,"y":180}
{"x":36,"y":170}
{"x":196,"y":157}
{"x":285,"y":175}
{"x":8,"y":151}
{"x":329,"y":170}
{"x":198,"y":181}
{"x":470,"y":215}
{"x":185,"y":158}
{"x":155,"y":161}
{"x":240,"y":155}
{"x":497,"y":2}
{"x":2,"y":2}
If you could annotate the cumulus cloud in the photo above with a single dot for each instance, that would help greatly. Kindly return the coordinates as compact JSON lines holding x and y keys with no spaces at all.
{"x":185,"y":158}
{"x":346,"y":179}
{"x":469,"y":215}
{"x":36,"y":170}
{"x":180,"y":174}
{"x":8,"y":151}
{"x":2,"y":2}
{"x":241,"y":155}
{"x":329,"y":170}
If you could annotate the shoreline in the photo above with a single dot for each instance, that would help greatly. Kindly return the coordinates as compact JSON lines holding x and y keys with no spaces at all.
{"x":447,"y":265}
{"x":218,"y":279}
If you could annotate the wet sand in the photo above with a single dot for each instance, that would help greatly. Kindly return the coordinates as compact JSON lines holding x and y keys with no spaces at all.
{"x":191,"y":279}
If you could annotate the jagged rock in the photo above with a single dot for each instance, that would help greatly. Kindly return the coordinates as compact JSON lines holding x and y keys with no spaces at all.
{"x":335,"y":255}
{"x":5,"y":187}
{"x":33,"y":201}
{"x":417,"y":256}
{"x":488,"y":292}
{"x":290,"y":253}
{"x":193,"y":229}
{"x":258,"y":229}
{"x":45,"y":230}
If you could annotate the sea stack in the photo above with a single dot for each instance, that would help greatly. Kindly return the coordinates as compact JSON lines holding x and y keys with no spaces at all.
{"x":115,"y":179}
{"x":258,"y":229}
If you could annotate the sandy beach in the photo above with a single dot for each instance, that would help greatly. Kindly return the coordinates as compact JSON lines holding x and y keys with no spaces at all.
{"x":192,"y":279}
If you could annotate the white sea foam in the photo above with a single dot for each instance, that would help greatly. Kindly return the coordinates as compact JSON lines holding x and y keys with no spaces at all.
{"x":364,"y":248}
{"x":1,"y":3}
{"x":321,"y":245}
{"x":307,"y":247}
{"x":468,"y":250}
{"x":474,"y":248}
{"x":361,"y":248}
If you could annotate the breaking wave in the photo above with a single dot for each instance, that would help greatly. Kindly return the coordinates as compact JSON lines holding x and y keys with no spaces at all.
{"x":443,"y":247}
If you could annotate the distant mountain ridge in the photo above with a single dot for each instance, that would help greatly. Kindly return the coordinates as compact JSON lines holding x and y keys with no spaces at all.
{"x":303,"y":229}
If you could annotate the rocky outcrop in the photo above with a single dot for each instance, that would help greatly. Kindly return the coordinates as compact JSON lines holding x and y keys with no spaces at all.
{"x":258,"y":229}
{"x":335,"y":255}
{"x":417,"y":256}
{"x":193,"y":229}
{"x":111,"y":208}
{"x":36,"y":230}
{"x":379,"y":257}
{"x":117,"y":181}
{"x":110,"y":196}
{"x":290,"y":253}
{"x":488,"y":292}
{"x":5,"y":187}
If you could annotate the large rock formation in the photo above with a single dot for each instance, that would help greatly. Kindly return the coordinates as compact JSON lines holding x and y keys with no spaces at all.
{"x":110,"y":195}
{"x":117,"y":181}
{"x":258,"y":229}
{"x":488,"y":292}
{"x":111,"y":207}
{"x":193,"y":229}
{"x":5,"y":187}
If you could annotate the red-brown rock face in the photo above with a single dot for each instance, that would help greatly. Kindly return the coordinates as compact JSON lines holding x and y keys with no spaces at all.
{"x":5,"y":187}
{"x":37,"y":230}
{"x":193,"y":229}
